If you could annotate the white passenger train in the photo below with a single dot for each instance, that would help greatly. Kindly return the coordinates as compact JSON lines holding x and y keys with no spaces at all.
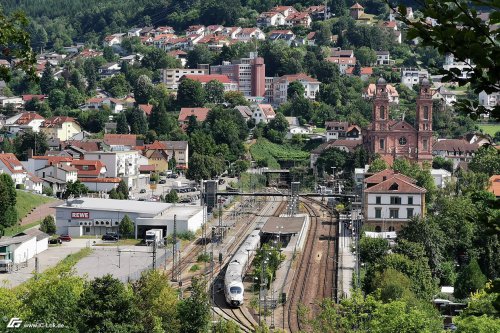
{"x":237,"y":267}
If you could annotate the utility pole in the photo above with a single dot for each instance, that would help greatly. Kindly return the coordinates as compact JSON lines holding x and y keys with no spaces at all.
{"x":154,"y":254}
{"x":174,"y":250}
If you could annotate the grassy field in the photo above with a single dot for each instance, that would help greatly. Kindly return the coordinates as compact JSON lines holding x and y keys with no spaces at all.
{"x":11,"y":231}
{"x":27,"y":201}
{"x":272,"y":153}
{"x":490,"y":129}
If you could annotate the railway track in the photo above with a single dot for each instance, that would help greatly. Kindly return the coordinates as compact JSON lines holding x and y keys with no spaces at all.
{"x":240,"y":315}
{"x":314,"y":262}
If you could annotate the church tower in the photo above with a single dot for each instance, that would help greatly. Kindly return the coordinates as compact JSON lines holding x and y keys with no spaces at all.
{"x":424,"y":122}
{"x":380,"y":116}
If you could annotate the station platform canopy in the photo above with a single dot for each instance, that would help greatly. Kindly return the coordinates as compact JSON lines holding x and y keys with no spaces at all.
{"x":283,"y":225}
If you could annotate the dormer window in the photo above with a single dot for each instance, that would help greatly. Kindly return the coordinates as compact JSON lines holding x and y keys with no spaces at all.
{"x":394,"y":187}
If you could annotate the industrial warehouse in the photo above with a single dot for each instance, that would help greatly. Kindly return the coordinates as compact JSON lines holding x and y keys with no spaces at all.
{"x":94,"y":216}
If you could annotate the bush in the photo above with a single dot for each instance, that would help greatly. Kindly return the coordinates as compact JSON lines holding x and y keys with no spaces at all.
{"x":186,"y":235}
{"x":47,"y":190}
{"x":204,"y":257}
{"x":126,"y":227}
{"x":48,"y":225}
{"x":194,"y":268}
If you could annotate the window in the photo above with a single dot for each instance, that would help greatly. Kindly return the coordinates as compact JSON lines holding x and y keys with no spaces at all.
{"x":378,"y":229}
{"x":402,"y":141}
{"x":426,"y":112}
{"x":395,"y":200}
{"x":378,"y":200}
{"x":381,"y":143}
{"x":409,"y":212}
{"x":424,"y":144}
{"x":410,"y":200}
{"x":378,"y":213}
{"x":382,"y":112}
{"x":394,"y":213}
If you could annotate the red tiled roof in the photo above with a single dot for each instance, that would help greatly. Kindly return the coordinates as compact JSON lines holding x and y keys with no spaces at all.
{"x":120,"y":139}
{"x":27,"y":98}
{"x":281,"y":32}
{"x":11,"y":162}
{"x":455,"y":145}
{"x":349,"y":144}
{"x":34,"y":178}
{"x":199,"y":113}
{"x":300,"y":76}
{"x":395,"y":184}
{"x":177,"y":53}
{"x":364,"y":70}
{"x":156,"y":145}
{"x":57,"y":121}
{"x":85,"y":145}
{"x":147,"y":168}
{"x":297,"y":16}
{"x":94,"y":167}
{"x":389,"y":24}
{"x":27,"y":117}
{"x":268,"y":110}
{"x":146,"y":108}
{"x":495,"y":185}
{"x":311,"y":35}
{"x":370,"y":90}
{"x":387,"y":173}
{"x":207,"y":78}
{"x":51,"y":160}
{"x":357,"y":6}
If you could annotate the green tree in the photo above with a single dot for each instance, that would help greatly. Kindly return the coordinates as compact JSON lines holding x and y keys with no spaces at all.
{"x":122,"y":188}
{"x":486,"y":160}
{"x":15,"y":43}
{"x":47,"y":81}
{"x":73,"y":98}
{"x":200,"y":54}
{"x":48,"y":225}
{"x":156,"y":58}
{"x":138,"y":122}
{"x":117,"y":85}
{"x":121,"y":124}
{"x":372,"y":250}
{"x":214,"y":92}
{"x":126,"y":227}
{"x":393,"y":285}
{"x":143,"y":89}
{"x":194,"y":311}
{"x":108,"y":54}
{"x":440,"y":162}
{"x":365,"y":55}
{"x":235,"y":98}
{"x":30,"y":140}
{"x":469,"y":280}
{"x":172,"y":197}
{"x":280,"y":126}
{"x":157,"y":301}
{"x":7,"y":202}
{"x":357,"y":69}
{"x":295,"y":89}
{"x":75,"y":189}
{"x":56,"y":98}
{"x":190,"y":94}
{"x":107,"y":305}
{"x":459,"y":31}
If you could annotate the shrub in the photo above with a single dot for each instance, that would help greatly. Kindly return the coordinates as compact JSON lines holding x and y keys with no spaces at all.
{"x":48,"y":225}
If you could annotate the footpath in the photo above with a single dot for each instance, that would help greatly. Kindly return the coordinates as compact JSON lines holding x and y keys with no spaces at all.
{"x":40,"y":212}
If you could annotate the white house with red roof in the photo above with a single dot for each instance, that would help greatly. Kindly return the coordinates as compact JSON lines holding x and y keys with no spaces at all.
{"x":280,"y":87}
{"x":195,"y":30}
{"x":249,"y":34}
{"x":270,"y":19}
{"x":230,"y":32}
{"x":224,"y":79}
{"x":366,"y":72}
{"x":343,"y":62}
{"x":9,"y":164}
{"x":284,"y":10}
{"x":60,"y":127}
{"x":369,"y":93}
{"x":298,"y":20}
{"x":23,"y":121}
{"x":120,"y":142}
{"x":263,"y":113}
{"x":391,"y":200}
{"x":114,"y":39}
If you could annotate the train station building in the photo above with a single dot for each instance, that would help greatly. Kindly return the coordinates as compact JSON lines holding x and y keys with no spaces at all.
{"x":291,"y":232}
{"x":95,"y":216}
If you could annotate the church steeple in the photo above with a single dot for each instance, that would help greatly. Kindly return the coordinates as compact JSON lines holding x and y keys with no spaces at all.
{"x":424,"y":120}
{"x":380,"y":114}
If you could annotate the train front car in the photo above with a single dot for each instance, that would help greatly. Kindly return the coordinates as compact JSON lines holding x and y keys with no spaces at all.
{"x":233,"y":281}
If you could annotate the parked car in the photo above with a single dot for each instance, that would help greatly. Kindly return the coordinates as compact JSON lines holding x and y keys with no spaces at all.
{"x":221,"y":181}
{"x":142,"y":190}
{"x":110,"y":236}
{"x":173,"y":175}
{"x":163,"y":181}
{"x":65,"y":238}
{"x":55,"y":241}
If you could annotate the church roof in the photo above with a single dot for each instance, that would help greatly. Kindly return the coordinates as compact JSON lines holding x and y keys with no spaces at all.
{"x":400,"y":125}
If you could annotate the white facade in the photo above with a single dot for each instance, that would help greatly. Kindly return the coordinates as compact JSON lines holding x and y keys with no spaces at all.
{"x":270,"y":19}
{"x":172,"y":76}
{"x":280,"y":88}
{"x":16,"y":101}
{"x":441,"y":177}
{"x":391,"y":208}
{"x":489,"y":101}
{"x":123,"y":164}
{"x":411,"y":76}
{"x":465,"y":67}
{"x":92,"y":216}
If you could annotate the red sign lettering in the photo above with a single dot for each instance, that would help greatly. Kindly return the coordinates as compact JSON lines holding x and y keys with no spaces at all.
{"x":79,"y":215}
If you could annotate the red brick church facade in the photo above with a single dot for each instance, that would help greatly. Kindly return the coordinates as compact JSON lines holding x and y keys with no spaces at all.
{"x":392,"y":138}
